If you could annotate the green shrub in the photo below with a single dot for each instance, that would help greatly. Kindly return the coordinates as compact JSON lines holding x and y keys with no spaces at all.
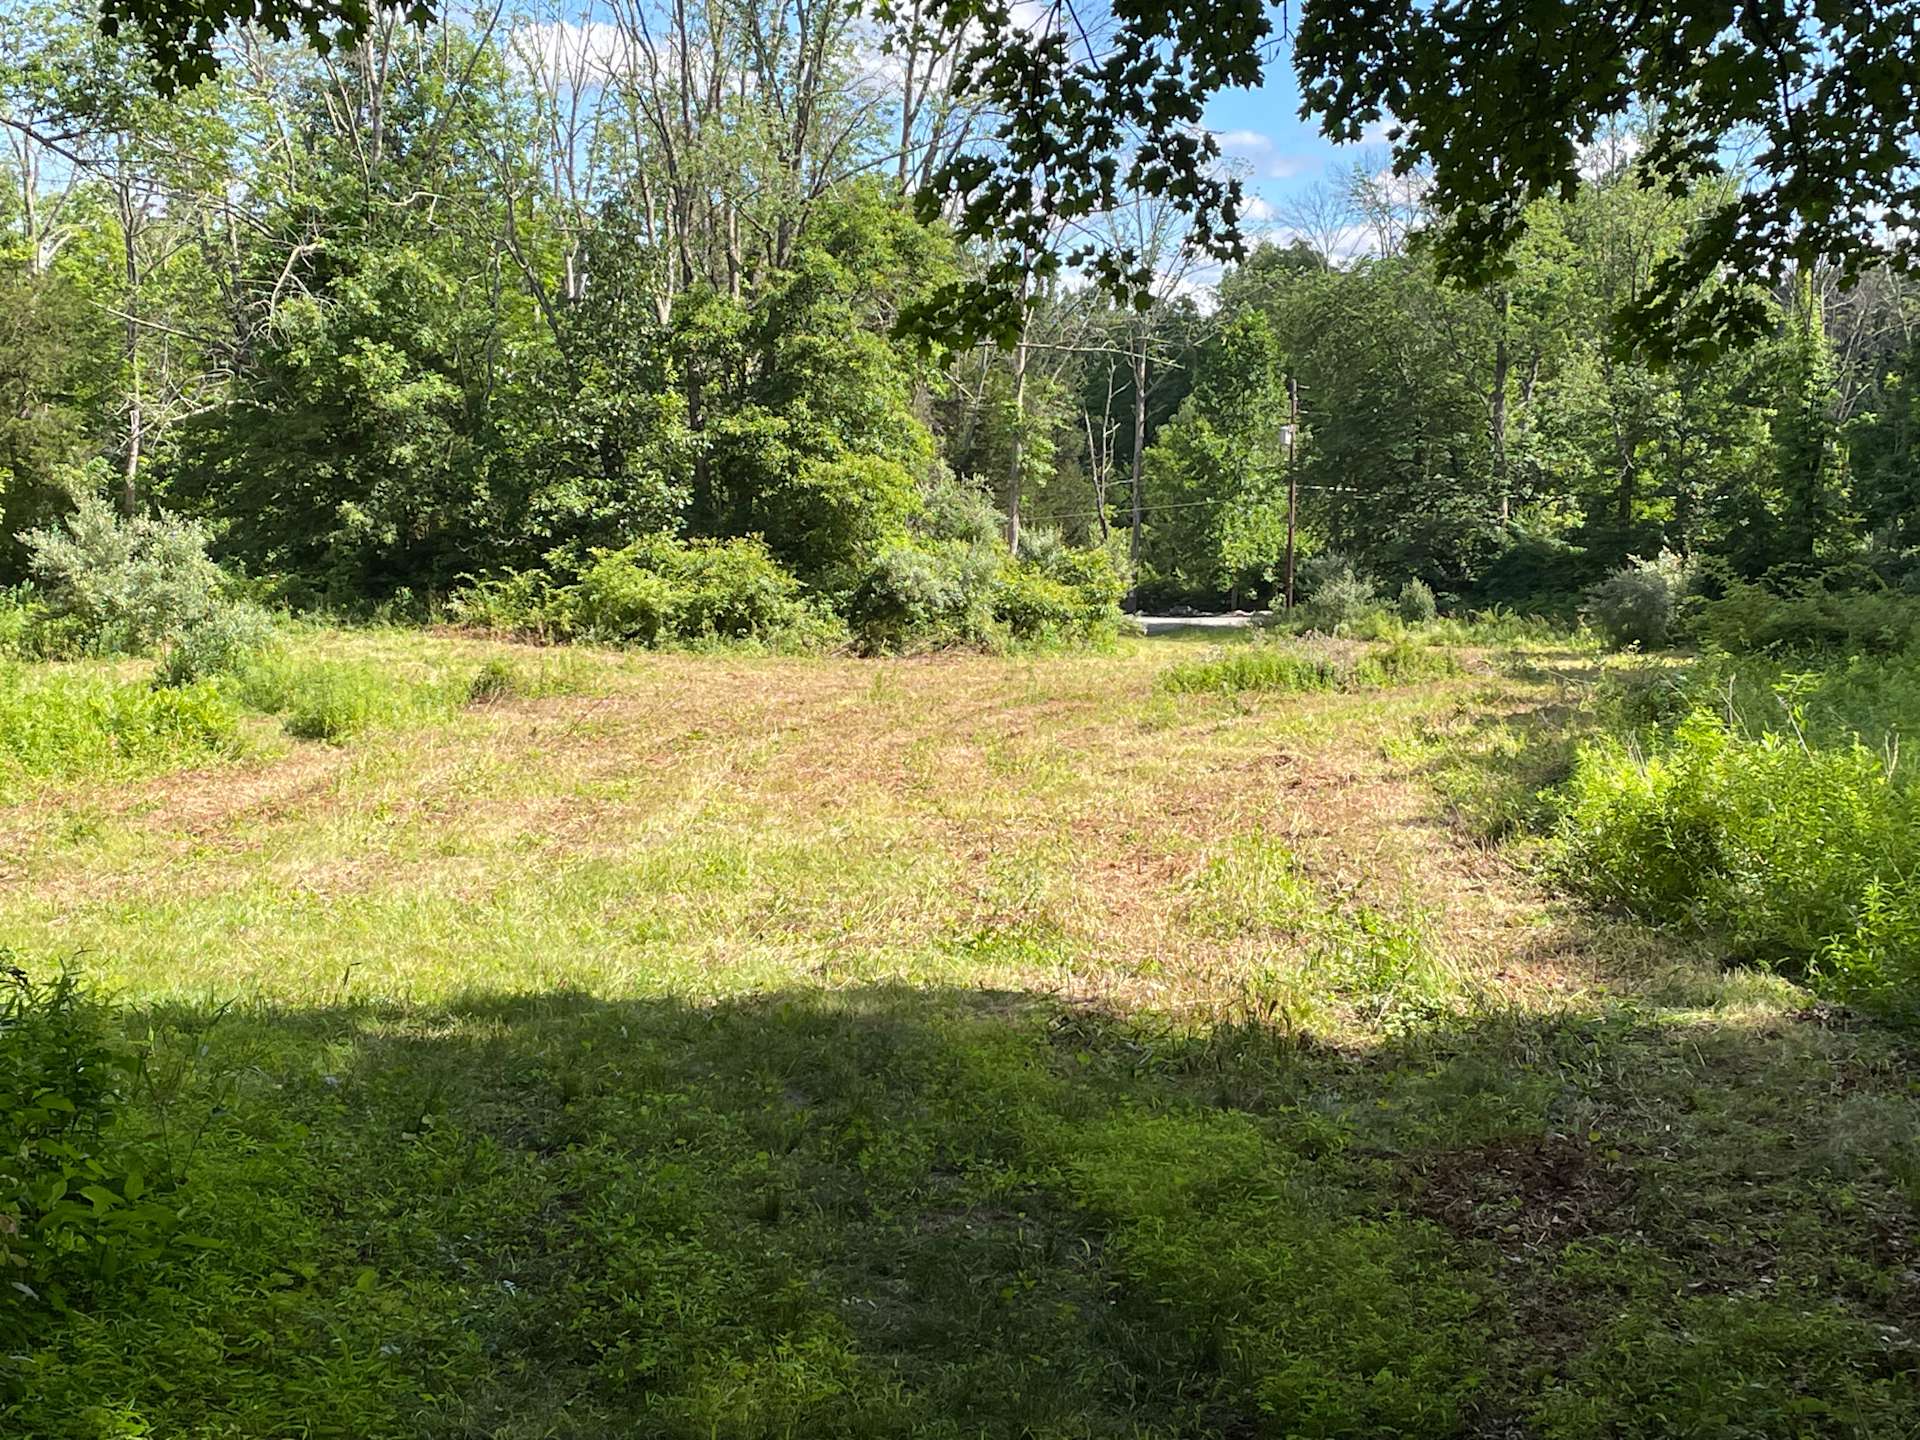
{"x":660,"y":590}
{"x":1376,"y":624}
{"x":78,"y":1200}
{"x":1831,"y":702}
{"x":1337,"y":595}
{"x":333,"y":703}
{"x":1636,"y":606}
{"x":656,"y":591}
{"x":1032,"y":604}
{"x":1416,"y":604}
{"x":1751,"y":619}
{"x":925,"y":593}
{"x":122,"y":586}
{"x":520,"y":602}
{"x":494,"y":681}
{"x":110,"y":586}
{"x":16,"y":617}
{"x":960,"y":510}
{"x":61,"y":725}
{"x":619,"y":601}
{"x":218,"y":643}
{"x":1096,"y":578}
{"x":1794,"y":854}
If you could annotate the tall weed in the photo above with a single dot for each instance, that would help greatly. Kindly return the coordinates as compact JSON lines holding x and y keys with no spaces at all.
{"x":1795,"y":854}
{"x":1279,"y":668}
{"x":79,"y":1199}
{"x":55,"y":726}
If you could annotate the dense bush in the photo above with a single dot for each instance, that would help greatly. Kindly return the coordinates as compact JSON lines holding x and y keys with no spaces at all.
{"x":949,"y":591}
{"x":945,"y":581}
{"x":1032,"y":604}
{"x":658,"y":591}
{"x":1636,"y":605}
{"x":110,"y":586}
{"x":930,"y":593}
{"x":120,"y":586}
{"x":1057,"y":592}
{"x":1416,"y":604}
{"x":77,"y":1199}
{"x":1750,"y":619}
{"x":1337,"y":595}
{"x":1535,"y":573}
{"x":218,"y":643}
{"x":1795,"y":854}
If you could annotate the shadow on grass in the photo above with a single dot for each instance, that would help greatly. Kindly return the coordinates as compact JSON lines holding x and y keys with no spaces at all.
{"x":897,"y":1211}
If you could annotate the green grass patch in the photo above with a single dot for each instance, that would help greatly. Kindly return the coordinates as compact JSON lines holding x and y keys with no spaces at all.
{"x":1796,"y":855}
{"x":1322,"y":947}
{"x":1270,"y":667}
{"x":336,"y":700}
{"x":66,"y":722}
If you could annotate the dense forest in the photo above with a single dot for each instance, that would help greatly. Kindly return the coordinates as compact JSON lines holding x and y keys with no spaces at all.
{"x":484,"y":299}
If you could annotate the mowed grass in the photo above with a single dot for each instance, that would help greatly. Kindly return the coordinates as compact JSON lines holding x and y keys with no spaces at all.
{"x":705,"y":1046}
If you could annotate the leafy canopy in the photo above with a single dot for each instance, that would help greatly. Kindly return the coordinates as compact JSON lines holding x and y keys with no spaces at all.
{"x":1496,"y":99}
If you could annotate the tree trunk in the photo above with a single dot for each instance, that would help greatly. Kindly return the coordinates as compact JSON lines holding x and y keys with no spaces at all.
{"x":1018,"y":460}
{"x":1497,"y":410}
{"x":130,"y":466}
{"x":1139,"y":448}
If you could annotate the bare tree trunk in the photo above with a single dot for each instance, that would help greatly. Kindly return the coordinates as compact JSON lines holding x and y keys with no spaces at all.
{"x":1139,"y":444}
{"x":1018,"y":462}
{"x":130,"y":325}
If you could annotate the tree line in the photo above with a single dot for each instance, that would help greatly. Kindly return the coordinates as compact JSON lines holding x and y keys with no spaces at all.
{"x":491,"y":295}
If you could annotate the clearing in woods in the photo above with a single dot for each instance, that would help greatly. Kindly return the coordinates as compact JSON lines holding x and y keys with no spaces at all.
{"x":954,"y":1047}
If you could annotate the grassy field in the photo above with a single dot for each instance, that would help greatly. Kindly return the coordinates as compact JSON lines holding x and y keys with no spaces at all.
{"x":711,"y":1046}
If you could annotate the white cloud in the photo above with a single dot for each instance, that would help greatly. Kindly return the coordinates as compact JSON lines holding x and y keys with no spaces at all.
{"x":1258,"y":212}
{"x":1260,"y":154}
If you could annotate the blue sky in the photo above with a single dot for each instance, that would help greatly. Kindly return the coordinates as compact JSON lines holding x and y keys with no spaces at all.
{"x":1282,"y":153}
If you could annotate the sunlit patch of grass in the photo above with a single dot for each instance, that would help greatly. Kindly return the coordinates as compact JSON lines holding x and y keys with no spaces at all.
{"x":1339,"y":947}
{"x":1291,"y":668}
{"x":71,"y":721}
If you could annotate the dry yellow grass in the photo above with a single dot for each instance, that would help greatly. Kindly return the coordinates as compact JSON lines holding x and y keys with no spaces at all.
{"x":723,"y":823}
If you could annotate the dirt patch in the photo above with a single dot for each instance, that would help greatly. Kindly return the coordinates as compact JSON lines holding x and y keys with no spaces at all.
{"x":1520,"y":1193}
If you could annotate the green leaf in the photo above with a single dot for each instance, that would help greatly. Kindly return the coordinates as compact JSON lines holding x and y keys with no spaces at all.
{"x":103,"y":1199}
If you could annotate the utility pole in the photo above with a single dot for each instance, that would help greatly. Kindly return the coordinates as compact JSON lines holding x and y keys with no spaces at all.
{"x":1293,"y":480}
